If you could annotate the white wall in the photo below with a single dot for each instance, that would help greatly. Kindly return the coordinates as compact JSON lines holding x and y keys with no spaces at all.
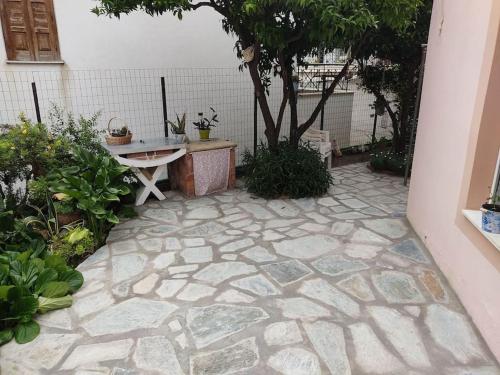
{"x":137,"y":40}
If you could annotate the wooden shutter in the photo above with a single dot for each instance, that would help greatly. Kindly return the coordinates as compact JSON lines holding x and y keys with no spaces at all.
{"x":44,"y":31}
{"x":16,"y":30}
{"x":30,"y":30}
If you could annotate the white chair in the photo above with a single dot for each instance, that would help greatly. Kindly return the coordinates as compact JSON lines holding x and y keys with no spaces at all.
{"x":320,"y":140}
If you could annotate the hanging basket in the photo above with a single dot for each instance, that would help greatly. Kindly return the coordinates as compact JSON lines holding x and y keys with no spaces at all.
{"x":114,"y":139}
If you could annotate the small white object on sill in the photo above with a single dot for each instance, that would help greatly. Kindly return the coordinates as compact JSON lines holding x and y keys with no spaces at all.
{"x":474,"y":216}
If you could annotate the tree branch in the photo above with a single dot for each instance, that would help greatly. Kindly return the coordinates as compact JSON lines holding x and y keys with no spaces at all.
{"x":202,"y":4}
{"x":329,"y":91}
{"x":284,"y":100}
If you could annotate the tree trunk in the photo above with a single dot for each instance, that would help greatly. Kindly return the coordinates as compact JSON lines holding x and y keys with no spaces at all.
{"x":271,"y":134}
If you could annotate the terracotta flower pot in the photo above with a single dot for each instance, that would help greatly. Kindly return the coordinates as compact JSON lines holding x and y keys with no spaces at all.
{"x":65,"y":219}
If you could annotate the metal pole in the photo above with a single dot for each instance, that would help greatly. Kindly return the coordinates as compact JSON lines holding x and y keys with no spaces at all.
{"x":322,"y":119}
{"x":374,"y":130}
{"x":416,"y":112}
{"x":35,"y":98}
{"x":254,"y":124}
{"x":164,"y":102}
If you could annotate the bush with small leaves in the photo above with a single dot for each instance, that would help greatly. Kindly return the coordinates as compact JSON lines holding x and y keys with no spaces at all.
{"x":287,"y":171}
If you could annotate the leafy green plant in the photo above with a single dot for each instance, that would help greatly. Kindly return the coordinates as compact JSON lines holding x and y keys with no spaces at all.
{"x":73,"y":244}
{"x":205,"y":123}
{"x":27,"y":151}
{"x":388,"y":67}
{"x":82,"y":131}
{"x":15,"y":235}
{"x":31,"y":284}
{"x":45,"y":222}
{"x":94,"y":182}
{"x":287,"y":171}
{"x":180,"y":126}
{"x":389,"y":161}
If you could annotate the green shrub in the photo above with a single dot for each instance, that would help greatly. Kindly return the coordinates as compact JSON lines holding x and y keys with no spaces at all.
{"x":389,"y":161}
{"x":288,"y":171}
{"x":82,"y":132}
{"x":32,"y":282}
{"x":27,"y":151}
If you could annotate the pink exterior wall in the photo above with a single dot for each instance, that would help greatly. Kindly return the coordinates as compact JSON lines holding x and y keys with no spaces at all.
{"x":460,"y":102}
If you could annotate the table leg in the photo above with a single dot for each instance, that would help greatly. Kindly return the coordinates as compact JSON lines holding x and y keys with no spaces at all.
{"x":149,"y":186}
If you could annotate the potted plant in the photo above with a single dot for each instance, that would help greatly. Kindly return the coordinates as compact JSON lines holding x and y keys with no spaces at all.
{"x":204,"y":124}
{"x":65,"y":209}
{"x":491,"y":210}
{"x":179,"y":128}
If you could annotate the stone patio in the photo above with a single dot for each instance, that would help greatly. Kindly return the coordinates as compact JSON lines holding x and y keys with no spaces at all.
{"x":233,"y":284}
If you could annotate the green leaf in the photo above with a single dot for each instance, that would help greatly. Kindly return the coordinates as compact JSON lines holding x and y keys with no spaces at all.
{"x":46,"y":276}
{"x":24,"y":307}
{"x":4,"y":273}
{"x":77,"y":234}
{"x":57,"y":262}
{"x":74,"y":279}
{"x":54,"y":289}
{"x":4,"y":291}
{"x":24,"y":256}
{"x":5,"y":336}
{"x":23,"y":274}
{"x":26,"y":332}
{"x":49,"y":304}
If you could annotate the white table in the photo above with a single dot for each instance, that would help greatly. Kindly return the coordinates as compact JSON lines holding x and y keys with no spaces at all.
{"x":147,"y":158}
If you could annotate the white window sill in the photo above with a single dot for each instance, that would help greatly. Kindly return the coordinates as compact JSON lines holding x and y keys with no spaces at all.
{"x":474,"y":217}
{"x":55,"y":62}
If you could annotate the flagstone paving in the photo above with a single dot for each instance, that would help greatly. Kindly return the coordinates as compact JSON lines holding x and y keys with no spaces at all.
{"x":231,"y":283}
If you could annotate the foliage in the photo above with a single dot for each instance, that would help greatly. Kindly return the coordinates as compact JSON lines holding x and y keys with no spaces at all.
{"x":288,"y":171}
{"x":205,"y":123}
{"x":390,"y":64}
{"x":64,"y":207}
{"x":180,"y":126}
{"x":73,"y":244}
{"x":389,"y":161}
{"x":38,"y":191}
{"x":119,"y":132}
{"x":83,"y":132}
{"x":94,"y":182}
{"x":32,"y":282}
{"x":45,"y":222}
{"x":281,"y":34}
{"x":14,"y":234}
{"x":27,"y":151}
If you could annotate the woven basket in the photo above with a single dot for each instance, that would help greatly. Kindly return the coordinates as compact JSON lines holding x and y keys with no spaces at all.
{"x":121,"y":140}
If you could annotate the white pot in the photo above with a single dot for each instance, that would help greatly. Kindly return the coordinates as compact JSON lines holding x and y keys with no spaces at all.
{"x":179,"y":138}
